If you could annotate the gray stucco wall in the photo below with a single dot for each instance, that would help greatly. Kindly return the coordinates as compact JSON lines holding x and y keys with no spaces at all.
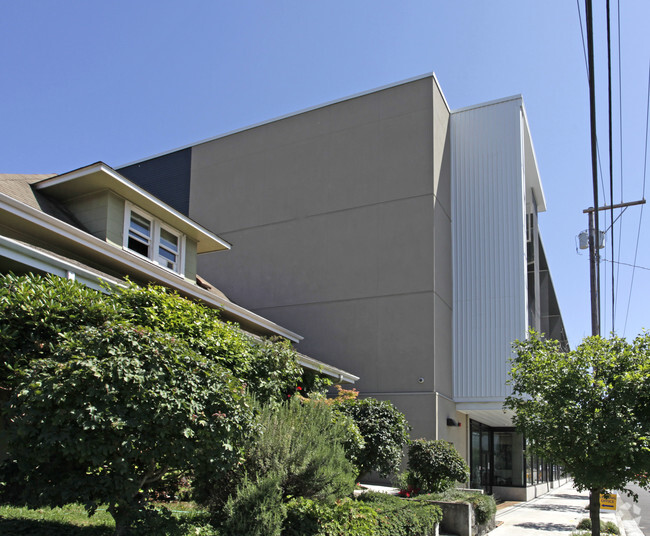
{"x":339,"y":221}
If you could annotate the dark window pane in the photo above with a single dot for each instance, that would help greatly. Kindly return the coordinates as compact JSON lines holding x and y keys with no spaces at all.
{"x":138,"y":246}
{"x":508,"y":459}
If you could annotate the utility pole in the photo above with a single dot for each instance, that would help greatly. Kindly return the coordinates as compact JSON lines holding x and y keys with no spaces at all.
{"x":593,"y":215}
{"x":594,"y":260}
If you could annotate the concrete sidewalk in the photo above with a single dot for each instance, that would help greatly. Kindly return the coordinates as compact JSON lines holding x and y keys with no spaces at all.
{"x":555,"y":513}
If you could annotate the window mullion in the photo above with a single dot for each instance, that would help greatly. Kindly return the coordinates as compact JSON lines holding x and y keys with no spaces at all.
{"x":156,"y":242}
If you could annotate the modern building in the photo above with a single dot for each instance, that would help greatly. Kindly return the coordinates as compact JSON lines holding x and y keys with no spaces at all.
{"x":95,"y":226}
{"x":400,"y":237}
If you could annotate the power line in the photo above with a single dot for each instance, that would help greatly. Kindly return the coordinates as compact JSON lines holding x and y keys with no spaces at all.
{"x":620,"y":132}
{"x":582,"y":33}
{"x":611,"y":165}
{"x":645,"y":167}
{"x":627,"y":264}
{"x":584,"y":52}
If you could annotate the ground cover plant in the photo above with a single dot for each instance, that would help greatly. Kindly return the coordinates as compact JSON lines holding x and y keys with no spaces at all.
{"x":401,"y":517}
{"x":370,"y":514}
{"x":608,"y":527}
{"x":483,"y":505}
{"x":73,"y":520}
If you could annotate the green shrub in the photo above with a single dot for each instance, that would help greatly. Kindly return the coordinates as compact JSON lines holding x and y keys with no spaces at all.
{"x":402,"y":517}
{"x":384,"y":429}
{"x":298,"y":450}
{"x":353,"y":442}
{"x":484,"y":505}
{"x":306,"y":517}
{"x":257,"y":509}
{"x":303,"y":442}
{"x":371,"y":514}
{"x":608,"y":527}
{"x":159,"y":521}
{"x":35,"y":310}
{"x":268,"y":366}
{"x":435,"y":465}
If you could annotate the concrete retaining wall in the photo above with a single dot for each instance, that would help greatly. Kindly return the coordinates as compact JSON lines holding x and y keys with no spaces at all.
{"x":458,"y":518}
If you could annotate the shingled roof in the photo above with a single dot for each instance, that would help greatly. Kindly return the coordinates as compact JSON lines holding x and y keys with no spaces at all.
{"x":19,"y":187}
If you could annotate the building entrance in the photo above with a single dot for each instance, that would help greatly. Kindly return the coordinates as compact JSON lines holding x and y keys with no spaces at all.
{"x":497,"y":457}
{"x":481,"y":454}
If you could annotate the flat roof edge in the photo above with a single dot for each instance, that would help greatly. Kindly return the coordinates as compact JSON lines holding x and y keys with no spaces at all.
{"x":489,"y":103}
{"x":298,"y":112}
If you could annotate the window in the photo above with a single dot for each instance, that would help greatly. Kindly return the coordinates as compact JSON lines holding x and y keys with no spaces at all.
{"x":150,"y":238}
{"x":139,"y":238}
{"x":168,"y":249}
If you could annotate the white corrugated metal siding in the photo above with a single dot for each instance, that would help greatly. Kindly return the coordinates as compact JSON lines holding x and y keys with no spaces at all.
{"x":488,"y":241}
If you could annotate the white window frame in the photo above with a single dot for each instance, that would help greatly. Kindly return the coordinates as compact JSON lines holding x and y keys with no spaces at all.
{"x":154,"y":244}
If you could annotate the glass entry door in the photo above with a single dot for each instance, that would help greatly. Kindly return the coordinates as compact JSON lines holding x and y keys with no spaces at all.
{"x":481,"y":456}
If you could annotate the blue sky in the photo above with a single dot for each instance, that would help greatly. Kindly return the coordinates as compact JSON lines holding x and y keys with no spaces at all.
{"x":118,"y":81}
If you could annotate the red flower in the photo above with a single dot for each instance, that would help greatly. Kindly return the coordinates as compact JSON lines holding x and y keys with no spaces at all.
{"x":299,"y":388}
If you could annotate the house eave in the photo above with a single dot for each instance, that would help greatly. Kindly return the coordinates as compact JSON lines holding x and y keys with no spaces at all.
{"x":88,"y":246}
{"x":99,"y":176}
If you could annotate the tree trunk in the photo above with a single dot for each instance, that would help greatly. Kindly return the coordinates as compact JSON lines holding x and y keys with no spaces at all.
{"x":122,"y":517}
{"x":594,"y":510}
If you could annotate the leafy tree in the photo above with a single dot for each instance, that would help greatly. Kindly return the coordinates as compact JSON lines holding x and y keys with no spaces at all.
{"x":85,"y":372}
{"x":434,"y":466}
{"x":122,"y":405}
{"x":114,"y":410}
{"x":267,"y":366}
{"x":35,"y":309}
{"x":587,"y":409}
{"x":383,"y":427}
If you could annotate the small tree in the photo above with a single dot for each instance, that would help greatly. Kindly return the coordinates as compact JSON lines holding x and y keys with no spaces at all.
{"x":113,"y":411}
{"x":587,"y":409}
{"x":384,"y":428}
{"x":434,"y":466}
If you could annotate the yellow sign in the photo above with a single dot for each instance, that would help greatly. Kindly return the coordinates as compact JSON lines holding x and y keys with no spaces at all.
{"x":608,"y":502}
